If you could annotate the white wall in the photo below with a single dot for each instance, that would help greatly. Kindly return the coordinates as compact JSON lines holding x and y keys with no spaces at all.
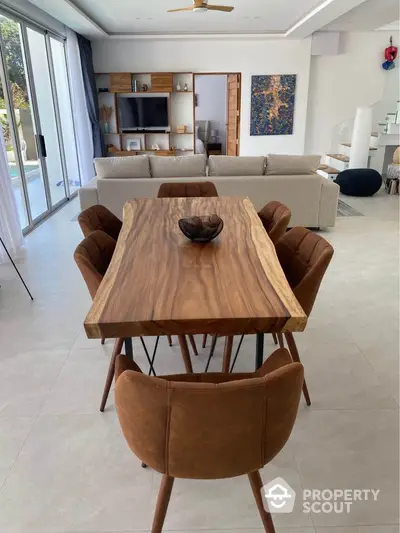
{"x":339,"y":84}
{"x":212,"y":95}
{"x":250,"y":57}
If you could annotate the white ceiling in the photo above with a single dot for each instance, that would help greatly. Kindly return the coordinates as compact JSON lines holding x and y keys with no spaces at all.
{"x":150,"y":16}
{"x":263,"y":18}
{"x":370,"y":15}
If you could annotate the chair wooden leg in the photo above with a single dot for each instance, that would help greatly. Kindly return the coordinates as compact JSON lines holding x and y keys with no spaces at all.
{"x":103,"y":340}
{"x":185,"y":353}
{"x":204,"y":340}
{"x":164,"y":496}
{"x":280,"y":339}
{"x":275,"y":338}
{"x":119,"y":343}
{"x":193,"y":344}
{"x":295,"y":356}
{"x":227,"y":353}
{"x":169,"y":340}
{"x":256,"y":485}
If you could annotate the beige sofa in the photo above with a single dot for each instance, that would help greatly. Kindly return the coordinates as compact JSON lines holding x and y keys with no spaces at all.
{"x":290,"y":179}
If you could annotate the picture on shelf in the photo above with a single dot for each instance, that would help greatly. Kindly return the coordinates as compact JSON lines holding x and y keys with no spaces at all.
{"x":134,"y":145}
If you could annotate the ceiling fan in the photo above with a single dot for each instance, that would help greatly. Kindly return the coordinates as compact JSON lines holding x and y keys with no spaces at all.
{"x":201,"y":6}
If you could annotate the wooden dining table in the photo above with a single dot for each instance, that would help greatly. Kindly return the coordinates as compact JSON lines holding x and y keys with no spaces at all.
{"x":161,"y":283}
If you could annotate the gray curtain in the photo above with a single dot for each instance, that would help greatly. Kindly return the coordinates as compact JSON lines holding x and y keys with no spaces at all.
{"x":89,"y":82}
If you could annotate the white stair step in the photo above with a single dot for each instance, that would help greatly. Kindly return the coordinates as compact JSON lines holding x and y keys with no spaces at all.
{"x":346,"y":147}
{"x":328,"y":172}
{"x":338,"y":161}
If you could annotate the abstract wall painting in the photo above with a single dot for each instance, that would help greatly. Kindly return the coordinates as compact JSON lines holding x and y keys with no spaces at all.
{"x":272,"y":104}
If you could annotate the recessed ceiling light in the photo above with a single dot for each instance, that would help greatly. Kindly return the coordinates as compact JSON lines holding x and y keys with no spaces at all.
{"x":257,"y":17}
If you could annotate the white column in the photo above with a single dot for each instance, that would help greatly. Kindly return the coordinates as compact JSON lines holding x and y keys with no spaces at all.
{"x":360,"y":141}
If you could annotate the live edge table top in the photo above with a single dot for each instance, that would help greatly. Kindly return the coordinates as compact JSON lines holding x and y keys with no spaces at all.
{"x":159,"y":282}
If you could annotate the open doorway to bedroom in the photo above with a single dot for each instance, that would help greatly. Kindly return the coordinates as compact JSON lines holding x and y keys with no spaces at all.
{"x":217,"y":113}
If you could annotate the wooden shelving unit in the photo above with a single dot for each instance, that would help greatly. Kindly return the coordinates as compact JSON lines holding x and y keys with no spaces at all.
{"x":180,"y":111}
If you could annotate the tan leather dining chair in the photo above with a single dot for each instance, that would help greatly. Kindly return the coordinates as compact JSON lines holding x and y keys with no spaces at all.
{"x":209,"y":426}
{"x":304,"y":257}
{"x":98,"y":217}
{"x":202,"y":189}
{"x":275,"y":218}
{"x":93,"y":256}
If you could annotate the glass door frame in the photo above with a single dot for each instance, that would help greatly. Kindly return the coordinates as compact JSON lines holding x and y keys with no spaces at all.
{"x":25,"y":23}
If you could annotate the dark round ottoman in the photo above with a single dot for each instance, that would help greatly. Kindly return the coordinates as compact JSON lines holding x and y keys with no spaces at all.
{"x":359,"y":181}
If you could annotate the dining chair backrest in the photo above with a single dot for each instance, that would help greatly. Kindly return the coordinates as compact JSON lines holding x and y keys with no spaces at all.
{"x":98,"y":217}
{"x":207,"y":426}
{"x":304,"y":257}
{"x":205,"y":189}
{"x":93,"y":256}
{"x":275,"y":218}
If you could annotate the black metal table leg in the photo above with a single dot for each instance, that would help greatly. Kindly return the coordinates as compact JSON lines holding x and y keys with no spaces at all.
{"x":129,"y":348}
{"x":259,"y":350}
{"x":16,"y":269}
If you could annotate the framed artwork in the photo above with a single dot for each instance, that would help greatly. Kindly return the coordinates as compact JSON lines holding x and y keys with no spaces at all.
{"x":272,"y":104}
{"x":134,"y":145}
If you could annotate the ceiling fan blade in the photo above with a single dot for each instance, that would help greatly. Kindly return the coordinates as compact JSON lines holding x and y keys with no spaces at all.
{"x":190,"y":8}
{"x":226,"y":9}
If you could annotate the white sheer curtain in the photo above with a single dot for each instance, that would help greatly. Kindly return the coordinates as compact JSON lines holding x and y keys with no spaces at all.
{"x":10,"y":230}
{"x":83,"y":129}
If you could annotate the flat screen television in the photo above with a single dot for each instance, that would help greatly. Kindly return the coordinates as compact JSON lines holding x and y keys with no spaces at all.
{"x":142,"y":112}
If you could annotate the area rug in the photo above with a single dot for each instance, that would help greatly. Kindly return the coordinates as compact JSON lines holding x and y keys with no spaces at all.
{"x":345,"y":210}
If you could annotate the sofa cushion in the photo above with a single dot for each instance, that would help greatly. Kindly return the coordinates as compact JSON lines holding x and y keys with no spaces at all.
{"x":136,"y":166}
{"x":224,"y":165}
{"x":292,"y":164}
{"x":184,"y":166}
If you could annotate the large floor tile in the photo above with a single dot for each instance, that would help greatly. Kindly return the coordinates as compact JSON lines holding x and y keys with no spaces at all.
{"x":340,"y":377}
{"x":76,"y":473}
{"x":27,"y":379}
{"x":13,"y":433}
{"x":350,"y":449}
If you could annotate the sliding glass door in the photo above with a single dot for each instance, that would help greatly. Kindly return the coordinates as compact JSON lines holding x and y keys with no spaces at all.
{"x":36,"y":118}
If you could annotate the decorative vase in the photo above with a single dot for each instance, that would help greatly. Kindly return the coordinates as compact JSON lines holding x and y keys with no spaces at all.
{"x":178,"y":87}
{"x":105,"y":127}
{"x":186,"y":88}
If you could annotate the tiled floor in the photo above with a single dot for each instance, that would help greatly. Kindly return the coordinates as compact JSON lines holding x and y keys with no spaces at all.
{"x":65,"y":467}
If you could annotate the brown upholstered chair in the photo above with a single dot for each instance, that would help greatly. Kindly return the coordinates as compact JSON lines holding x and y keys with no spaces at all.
{"x":93,"y":256}
{"x":204,"y":189}
{"x":275,"y":218}
{"x":100,"y":218}
{"x":304,"y":257}
{"x":209,"y":426}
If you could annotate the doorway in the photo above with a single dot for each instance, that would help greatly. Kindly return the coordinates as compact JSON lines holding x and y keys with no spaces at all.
{"x":217,"y":113}
{"x":36,"y":119}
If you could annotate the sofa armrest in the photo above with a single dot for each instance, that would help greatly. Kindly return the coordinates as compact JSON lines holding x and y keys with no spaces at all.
{"x":328,"y":203}
{"x":88,"y":194}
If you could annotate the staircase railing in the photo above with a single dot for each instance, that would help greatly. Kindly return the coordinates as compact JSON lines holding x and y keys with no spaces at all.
{"x":342,"y":132}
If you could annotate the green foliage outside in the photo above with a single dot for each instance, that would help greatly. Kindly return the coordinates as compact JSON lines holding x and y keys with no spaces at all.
{"x":16,"y":73}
